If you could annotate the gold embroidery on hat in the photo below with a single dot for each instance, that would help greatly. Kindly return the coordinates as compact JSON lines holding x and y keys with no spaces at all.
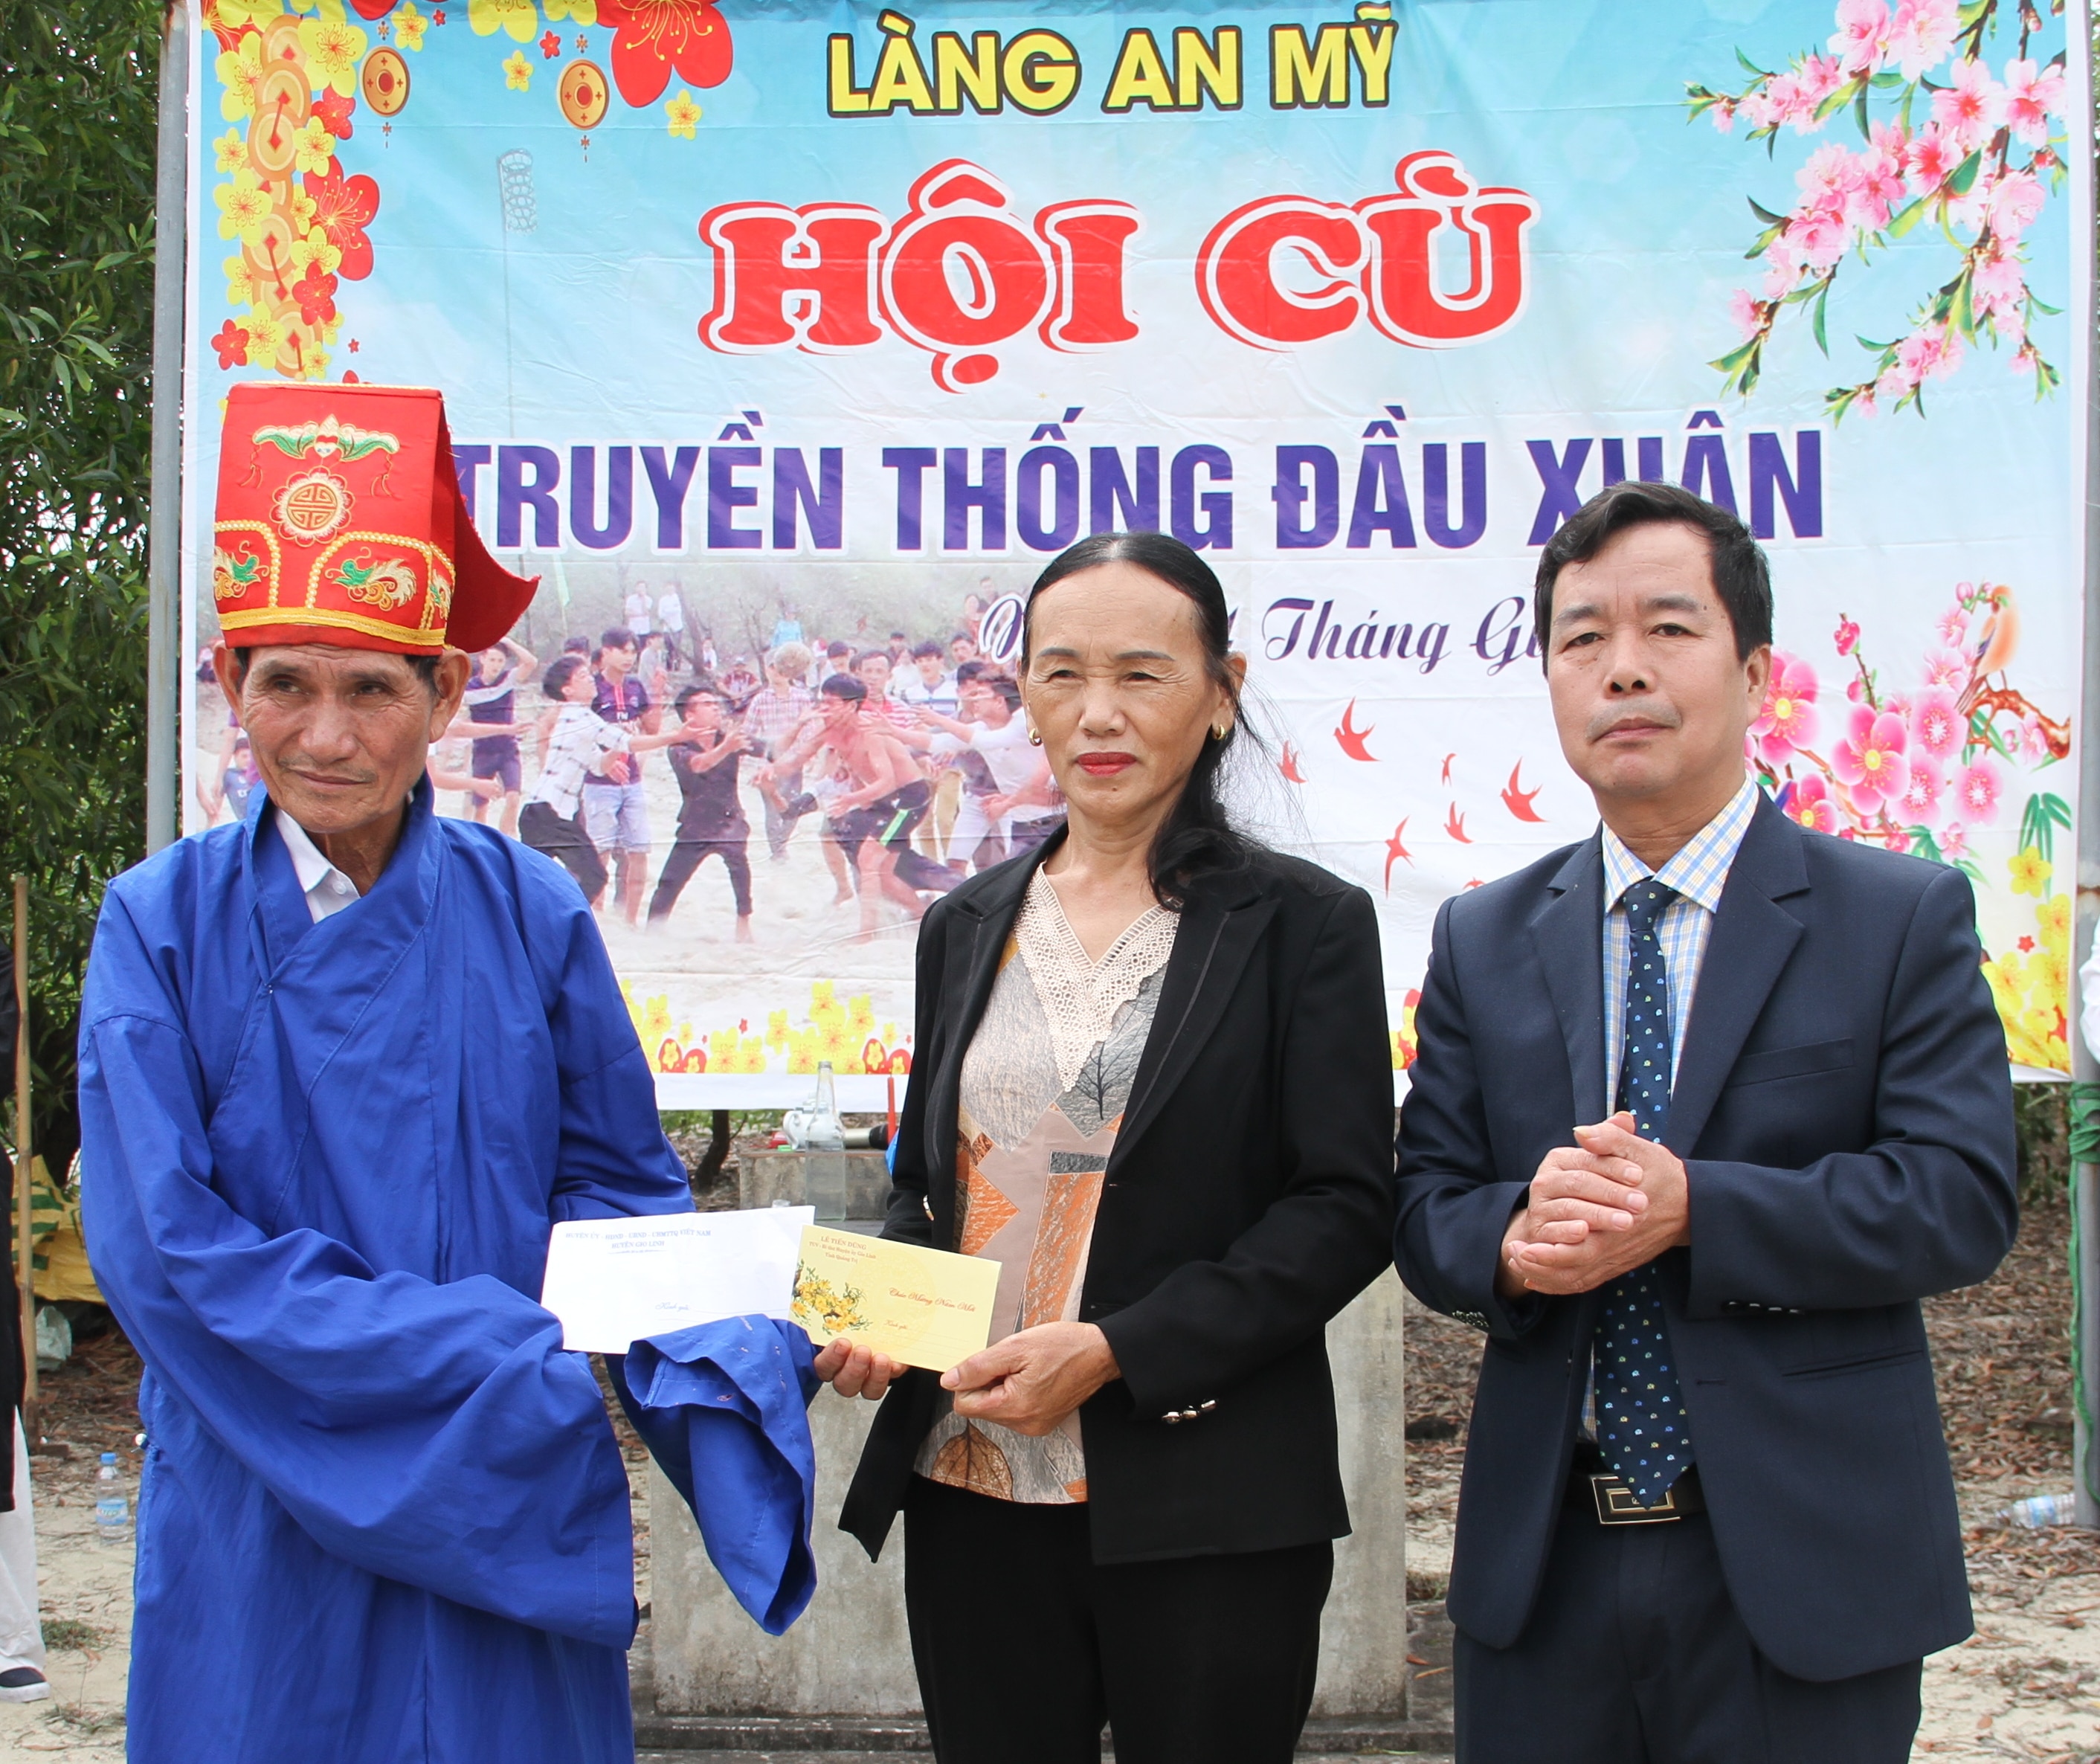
{"x":437,"y":569}
{"x":311,"y":507}
{"x":232,"y":576}
{"x":327,"y":438}
{"x":269,"y":561}
{"x":388,"y":582}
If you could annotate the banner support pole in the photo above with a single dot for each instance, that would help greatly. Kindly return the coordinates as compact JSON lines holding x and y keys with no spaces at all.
{"x":25,"y":1249}
{"x":165,"y":517}
{"x":2086,"y":903}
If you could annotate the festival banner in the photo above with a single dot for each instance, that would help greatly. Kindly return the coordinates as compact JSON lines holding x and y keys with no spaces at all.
{"x":768,"y":322}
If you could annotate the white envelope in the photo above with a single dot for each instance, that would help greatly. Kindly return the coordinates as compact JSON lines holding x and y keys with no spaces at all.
{"x":616,"y":1281}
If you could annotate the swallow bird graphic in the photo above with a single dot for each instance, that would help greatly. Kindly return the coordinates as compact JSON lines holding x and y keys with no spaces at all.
{"x":1394,"y":849}
{"x":1454,"y":824}
{"x":1352,"y":738}
{"x":1447,"y":759}
{"x":1518,"y":802}
{"x":1288,"y":765}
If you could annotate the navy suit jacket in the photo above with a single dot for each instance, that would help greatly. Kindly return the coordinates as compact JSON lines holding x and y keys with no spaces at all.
{"x":1844,"y":1110}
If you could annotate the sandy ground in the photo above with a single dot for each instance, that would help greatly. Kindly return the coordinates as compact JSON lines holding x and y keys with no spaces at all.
{"x":86,"y":1589}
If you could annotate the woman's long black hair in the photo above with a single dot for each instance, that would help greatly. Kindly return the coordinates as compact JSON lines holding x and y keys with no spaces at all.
{"x":1197,"y":839}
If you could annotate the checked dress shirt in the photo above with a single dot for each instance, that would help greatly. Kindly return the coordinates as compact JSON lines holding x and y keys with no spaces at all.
{"x":1655,"y":931}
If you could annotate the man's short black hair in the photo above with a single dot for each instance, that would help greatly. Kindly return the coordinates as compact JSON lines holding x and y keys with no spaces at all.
{"x":920,"y":651}
{"x":698,"y":689}
{"x":617,"y":636}
{"x":554,"y":682}
{"x":845,"y":686}
{"x":425,"y":666}
{"x":971,"y":671}
{"x":1741,"y":577}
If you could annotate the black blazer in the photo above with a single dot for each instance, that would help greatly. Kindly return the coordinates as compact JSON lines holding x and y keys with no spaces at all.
{"x":1844,"y":1111}
{"x":1248,"y":1199}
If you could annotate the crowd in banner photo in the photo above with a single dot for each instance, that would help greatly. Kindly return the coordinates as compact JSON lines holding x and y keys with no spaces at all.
{"x":874,"y":773}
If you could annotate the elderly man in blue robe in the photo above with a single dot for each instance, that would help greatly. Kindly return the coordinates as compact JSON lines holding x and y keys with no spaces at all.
{"x":341,"y":1067}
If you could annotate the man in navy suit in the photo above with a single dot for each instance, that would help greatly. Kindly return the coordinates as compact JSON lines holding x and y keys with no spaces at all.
{"x":1704,"y":1106}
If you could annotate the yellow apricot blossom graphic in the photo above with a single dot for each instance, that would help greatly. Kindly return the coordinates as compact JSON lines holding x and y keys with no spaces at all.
{"x":239,"y":69}
{"x":333,"y":50}
{"x":313,"y":146}
{"x":244,"y":205}
{"x":2031,"y":872}
{"x":520,"y":18}
{"x":517,"y":72}
{"x":684,"y":114}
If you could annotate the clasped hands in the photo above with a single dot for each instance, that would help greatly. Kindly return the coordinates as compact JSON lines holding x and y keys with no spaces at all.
{"x":1611,"y":1202}
{"x":1028,"y":1383}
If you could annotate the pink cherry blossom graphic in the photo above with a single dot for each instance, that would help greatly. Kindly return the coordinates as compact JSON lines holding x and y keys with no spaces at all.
{"x":2015,"y":202}
{"x":1869,"y":762}
{"x":1949,"y":150}
{"x":1931,"y":160}
{"x":1808,"y":801}
{"x":1788,"y":720}
{"x":1977,"y":789}
{"x":2033,"y":95}
{"x":1922,"y":35}
{"x":1969,"y":106}
{"x":1954,"y":841}
{"x":1937,"y":724}
{"x":1946,"y":670}
{"x":1862,"y":39}
{"x":1919,"y":802}
{"x":1848,"y":635}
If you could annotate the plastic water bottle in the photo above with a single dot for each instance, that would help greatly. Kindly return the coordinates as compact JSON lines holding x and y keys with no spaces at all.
{"x":113,"y":1512}
{"x":824,"y":1162}
{"x":2038,"y":1512}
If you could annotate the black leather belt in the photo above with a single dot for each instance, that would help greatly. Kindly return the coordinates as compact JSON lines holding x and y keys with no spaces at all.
{"x":1597,"y":1491}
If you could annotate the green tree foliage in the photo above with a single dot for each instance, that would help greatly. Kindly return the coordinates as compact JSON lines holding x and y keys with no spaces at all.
{"x":77,"y":87}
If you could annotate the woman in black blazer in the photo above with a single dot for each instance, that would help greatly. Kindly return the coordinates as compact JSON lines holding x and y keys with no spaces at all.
{"x":1152,"y":1080}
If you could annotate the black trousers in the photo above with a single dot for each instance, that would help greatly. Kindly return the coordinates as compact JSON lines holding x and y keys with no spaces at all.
{"x":1635,"y":1654}
{"x":686,"y":856}
{"x":1026,"y":1647}
{"x":563,"y":839}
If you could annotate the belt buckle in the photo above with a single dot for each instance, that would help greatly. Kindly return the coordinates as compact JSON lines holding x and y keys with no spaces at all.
{"x":1618,"y":1504}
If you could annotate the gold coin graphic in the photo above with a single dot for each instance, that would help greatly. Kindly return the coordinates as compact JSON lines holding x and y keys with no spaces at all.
{"x":386,"y":81}
{"x":583,"y":93}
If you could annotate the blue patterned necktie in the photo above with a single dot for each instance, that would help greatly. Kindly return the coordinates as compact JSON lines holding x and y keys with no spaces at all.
{"x":1642,"y":1428}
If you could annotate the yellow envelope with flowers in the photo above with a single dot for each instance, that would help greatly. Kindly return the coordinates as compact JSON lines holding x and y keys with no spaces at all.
{"x":926,"y":1307}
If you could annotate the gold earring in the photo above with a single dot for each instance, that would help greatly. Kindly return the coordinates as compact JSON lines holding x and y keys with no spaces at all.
{"x":1218,"y":732}
{"x":1035,"y":738}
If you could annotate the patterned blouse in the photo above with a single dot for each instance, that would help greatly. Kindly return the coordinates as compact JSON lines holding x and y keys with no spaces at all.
{"x":1044,"y":1085}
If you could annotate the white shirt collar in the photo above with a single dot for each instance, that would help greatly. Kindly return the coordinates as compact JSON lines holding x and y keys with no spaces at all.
{"x":1698,"y":869}
{"x":327,"y":889}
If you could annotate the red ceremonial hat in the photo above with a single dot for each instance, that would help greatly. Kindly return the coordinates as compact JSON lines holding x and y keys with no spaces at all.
{"x":340,"y":521}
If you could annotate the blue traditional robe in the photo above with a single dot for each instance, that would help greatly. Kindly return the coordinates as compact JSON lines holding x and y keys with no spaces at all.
{"x":382,"y":1515}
